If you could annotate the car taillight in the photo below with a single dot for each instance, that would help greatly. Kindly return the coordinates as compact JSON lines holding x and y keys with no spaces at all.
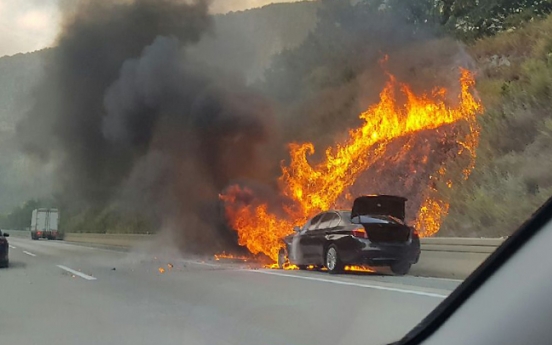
{"x":360,"y":233}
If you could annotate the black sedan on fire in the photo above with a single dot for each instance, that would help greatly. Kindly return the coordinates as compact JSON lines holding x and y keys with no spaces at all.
{"x":373,"y":233}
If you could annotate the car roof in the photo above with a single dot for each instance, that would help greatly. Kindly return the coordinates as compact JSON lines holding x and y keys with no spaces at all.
{"x":383,"y":196}
{"x":337,"y":211}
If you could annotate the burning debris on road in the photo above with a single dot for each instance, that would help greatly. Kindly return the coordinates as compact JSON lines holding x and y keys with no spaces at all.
{"x":224,"y":256}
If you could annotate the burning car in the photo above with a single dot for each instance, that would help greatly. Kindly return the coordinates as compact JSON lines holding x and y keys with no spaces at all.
{"x":373,"y":233}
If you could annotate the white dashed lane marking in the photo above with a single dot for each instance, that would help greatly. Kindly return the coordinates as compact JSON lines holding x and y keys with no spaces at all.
{"x":77,"y":273}
{"x":29,"y":253}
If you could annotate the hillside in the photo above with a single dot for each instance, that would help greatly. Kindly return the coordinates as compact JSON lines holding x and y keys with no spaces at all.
{"x":245,"y":41}
{"x":20,"y":178}
{"x":20,"y":73}
{"x":512,"y":177}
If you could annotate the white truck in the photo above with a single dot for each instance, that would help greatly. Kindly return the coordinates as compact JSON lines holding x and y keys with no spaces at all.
{"x":44,"y":224}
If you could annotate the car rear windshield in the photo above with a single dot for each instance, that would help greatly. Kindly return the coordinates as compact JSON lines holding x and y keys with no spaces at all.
{"x":376,"y":219}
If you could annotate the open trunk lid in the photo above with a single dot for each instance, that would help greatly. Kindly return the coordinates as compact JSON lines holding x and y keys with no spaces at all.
{"x":379,"y":205}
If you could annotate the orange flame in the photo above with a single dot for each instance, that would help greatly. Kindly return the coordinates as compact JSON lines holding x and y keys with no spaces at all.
{"x":317,"y":187}
{"x":354,"y":268}
{"x":365,"y":269}
{"x":287,"y":266}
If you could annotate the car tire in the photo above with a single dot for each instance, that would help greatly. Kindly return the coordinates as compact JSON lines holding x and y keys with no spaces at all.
{"x":281,"y":258}
{"x":332,"y":261}
{"x":401,"y":268}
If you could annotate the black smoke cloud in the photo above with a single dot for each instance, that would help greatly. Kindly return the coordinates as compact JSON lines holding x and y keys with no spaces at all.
{"x":131,"y":121}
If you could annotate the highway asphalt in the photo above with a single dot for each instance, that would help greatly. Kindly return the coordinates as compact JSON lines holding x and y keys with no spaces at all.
{"x":60,"y":293}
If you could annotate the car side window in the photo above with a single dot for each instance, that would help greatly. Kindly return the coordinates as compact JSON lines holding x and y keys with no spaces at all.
{"x":314,"y":222}
{"x":334,"y":221}
{"x":344,"y":220}
{"x":327,"y":220}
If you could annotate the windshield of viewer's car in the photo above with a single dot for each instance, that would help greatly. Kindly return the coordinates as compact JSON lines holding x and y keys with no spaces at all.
{"x":157,"y":155}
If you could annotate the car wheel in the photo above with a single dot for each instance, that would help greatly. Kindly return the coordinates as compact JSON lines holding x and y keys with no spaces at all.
{"x":281,"y":258}
{"x":332,"y":260}
{"x":401,"y":268}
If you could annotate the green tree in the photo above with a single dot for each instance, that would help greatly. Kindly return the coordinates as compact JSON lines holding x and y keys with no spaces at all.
{"x":347,"y":38}
{"x":20,"y":217}
{"x":472,"y":19}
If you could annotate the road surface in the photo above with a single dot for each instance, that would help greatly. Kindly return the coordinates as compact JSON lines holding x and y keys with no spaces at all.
{"x":61,"y":293}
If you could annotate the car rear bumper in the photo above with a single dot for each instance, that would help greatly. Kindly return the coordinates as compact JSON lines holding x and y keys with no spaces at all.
{"x":4,"y":257}
{"x":44,"y":234}
{"x":376,"y":254}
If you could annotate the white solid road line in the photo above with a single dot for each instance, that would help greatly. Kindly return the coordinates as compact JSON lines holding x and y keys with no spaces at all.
{"x":29,"y":253}
{"x":77,"y":273}
{"x":444,"y":279}
{"x":340,"y":282}
{"x":12,"y":247}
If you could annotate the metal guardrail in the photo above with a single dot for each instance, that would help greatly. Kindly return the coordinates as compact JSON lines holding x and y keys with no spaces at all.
{"x":442,"y":244}
{"x":434,"y":244}
{"x":118,"y":240}
{"x":448,"y":257}
{"x":459,"y":244}
{"x":17,"y":233}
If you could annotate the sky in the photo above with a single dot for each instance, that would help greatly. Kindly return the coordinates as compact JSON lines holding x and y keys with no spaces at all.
{"x":29,"y":25}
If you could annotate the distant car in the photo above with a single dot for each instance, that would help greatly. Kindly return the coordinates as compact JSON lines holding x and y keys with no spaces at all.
{"x":373,"y":233}
{"x":4,"y":250}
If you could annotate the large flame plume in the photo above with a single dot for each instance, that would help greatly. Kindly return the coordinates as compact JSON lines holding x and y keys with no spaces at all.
{"x":312,"y":188}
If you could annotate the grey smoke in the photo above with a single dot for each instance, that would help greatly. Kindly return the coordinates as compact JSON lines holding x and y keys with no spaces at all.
{"x":131,"y":121}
